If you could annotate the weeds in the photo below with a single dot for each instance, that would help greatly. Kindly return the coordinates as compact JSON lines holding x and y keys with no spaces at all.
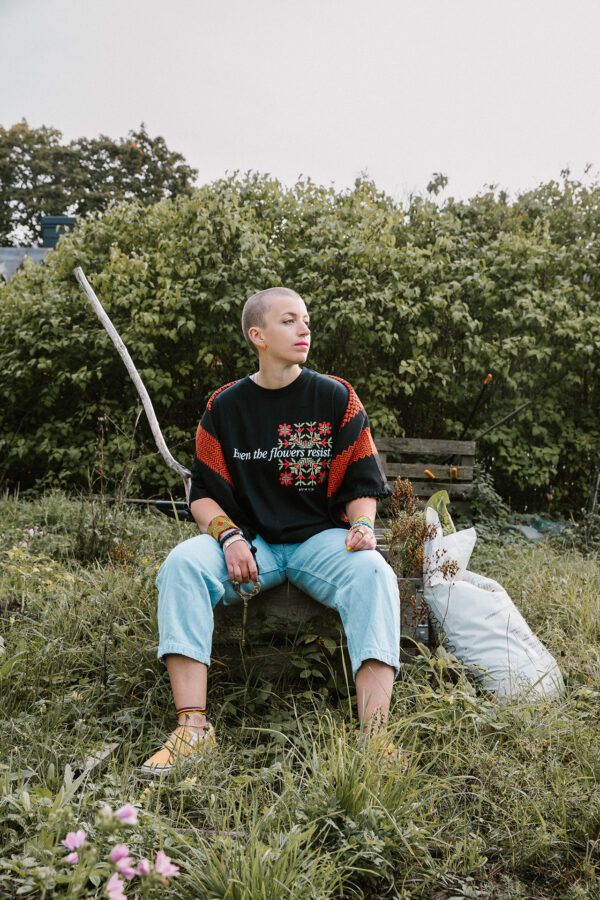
{"x":496,"y":802}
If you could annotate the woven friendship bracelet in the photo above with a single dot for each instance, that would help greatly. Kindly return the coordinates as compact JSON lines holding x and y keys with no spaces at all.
{"x":362,"y":521}
{"x":218,"y":525}
{"x":190,"y":710}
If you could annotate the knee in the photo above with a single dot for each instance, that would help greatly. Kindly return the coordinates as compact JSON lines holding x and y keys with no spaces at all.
{"x":191,"y":555}
{"x":369,"y":566}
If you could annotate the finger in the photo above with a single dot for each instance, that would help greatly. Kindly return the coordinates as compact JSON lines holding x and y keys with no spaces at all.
{"x":230,"y":566}
{"x":353,"y":539}
{"x":364,"y":541}
{"x":245,"y":568}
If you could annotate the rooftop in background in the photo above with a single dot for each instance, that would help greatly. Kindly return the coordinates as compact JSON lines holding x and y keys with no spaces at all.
{"x":52,"y":228}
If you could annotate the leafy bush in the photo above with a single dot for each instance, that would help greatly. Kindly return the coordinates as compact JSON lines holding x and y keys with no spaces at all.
{"x":414,"y":305}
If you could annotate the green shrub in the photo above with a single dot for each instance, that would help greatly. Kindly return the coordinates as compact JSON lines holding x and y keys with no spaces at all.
{"x":413,"y":305}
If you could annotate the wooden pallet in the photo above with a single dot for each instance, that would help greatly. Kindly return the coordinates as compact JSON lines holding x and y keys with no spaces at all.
{"x":410,"y":457}
{"x":400,"y":457}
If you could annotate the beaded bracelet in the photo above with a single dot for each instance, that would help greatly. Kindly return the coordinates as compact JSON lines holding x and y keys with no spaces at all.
{"x":225,"y":535}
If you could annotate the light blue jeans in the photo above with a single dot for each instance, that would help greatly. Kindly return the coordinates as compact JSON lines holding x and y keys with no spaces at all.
{"x":361,"y":586}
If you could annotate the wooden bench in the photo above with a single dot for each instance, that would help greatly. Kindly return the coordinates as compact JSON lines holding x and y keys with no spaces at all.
{"x":287,"y":607}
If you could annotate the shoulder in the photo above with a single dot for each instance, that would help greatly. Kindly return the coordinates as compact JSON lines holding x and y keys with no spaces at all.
{"x":225,"y":392}
{"x":331,"y":385}
{"x":351,"y":399}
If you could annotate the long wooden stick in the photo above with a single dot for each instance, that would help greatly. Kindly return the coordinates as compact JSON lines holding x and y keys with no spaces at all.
{"x":135,"y":377}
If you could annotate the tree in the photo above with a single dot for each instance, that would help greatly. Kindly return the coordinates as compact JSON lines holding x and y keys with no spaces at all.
{"x":41,"y":175}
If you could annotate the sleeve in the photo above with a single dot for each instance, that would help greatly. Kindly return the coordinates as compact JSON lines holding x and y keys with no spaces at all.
{"x":210,"y":474}
{"x":355,"y":469}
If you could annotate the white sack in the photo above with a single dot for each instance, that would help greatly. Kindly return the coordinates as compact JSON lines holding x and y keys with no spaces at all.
{"x":481,"y":625}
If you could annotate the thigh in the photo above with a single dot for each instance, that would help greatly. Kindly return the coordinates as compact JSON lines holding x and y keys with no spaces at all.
{"x":200,"y":559}
{"x":324,"y":568}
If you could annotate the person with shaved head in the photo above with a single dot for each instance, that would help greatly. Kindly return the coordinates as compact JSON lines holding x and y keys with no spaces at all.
{"x":285,"y":482}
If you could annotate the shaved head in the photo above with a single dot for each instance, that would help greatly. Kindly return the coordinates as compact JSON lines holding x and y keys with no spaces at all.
{"x":256,"y":308}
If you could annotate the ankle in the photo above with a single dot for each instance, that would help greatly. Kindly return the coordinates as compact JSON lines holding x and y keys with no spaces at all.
{"x":193,"y":721}
{"x":192,"y":716}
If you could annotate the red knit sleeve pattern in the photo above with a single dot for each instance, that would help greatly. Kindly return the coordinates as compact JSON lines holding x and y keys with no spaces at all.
{"x":362,"y":447}
{"x":354,"y":441}
{"x":354,"y":406}
{"x":210,"y":452}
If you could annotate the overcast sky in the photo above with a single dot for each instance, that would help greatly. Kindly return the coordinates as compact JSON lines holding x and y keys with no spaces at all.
{"x":486,"y":91}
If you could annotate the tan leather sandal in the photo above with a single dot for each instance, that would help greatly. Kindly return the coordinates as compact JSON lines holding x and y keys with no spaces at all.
{"x":181,"y":747}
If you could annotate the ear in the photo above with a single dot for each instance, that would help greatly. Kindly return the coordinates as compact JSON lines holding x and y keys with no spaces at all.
{"x":255,"y":336}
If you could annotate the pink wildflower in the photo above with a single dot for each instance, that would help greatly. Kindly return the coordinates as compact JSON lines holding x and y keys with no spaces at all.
{"x":72,"y":858}
{"x":144,"y":867}
{"x":125,"y":868}
{"x":74,"y":839}
{"x":127,"y":814}
{"x":164,"y":866}
{"x":119,"y":851}
{"x":114,"y":888}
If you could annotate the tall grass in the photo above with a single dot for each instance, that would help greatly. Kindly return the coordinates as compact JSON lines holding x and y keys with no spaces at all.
{"x":498,"y":802}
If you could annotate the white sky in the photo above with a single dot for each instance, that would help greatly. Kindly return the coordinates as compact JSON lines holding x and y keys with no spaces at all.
{"x":487,"y":91}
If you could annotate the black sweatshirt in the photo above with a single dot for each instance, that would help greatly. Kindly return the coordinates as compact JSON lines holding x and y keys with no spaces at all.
{"x":283,"y":463}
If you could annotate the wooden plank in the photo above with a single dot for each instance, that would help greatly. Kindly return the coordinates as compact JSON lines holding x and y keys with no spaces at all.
{"x":424,"y":445}
{"x":417,"y":470}
{"x":457,"y":490}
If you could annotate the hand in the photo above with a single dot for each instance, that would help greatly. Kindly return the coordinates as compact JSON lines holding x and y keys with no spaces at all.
{"x":240,"y":563}
{"x":361,"y":538}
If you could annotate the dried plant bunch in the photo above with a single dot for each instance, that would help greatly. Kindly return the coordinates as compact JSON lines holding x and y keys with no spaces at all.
{"x":409,"y":529}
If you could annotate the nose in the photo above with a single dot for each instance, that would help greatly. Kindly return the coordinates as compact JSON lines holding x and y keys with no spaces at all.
{"x":304,"y":328}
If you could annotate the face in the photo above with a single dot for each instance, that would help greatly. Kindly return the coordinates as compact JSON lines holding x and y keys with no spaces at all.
{"x":287,"y":330}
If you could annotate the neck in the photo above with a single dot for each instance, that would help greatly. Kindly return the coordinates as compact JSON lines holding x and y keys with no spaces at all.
{"x":274,"y":376}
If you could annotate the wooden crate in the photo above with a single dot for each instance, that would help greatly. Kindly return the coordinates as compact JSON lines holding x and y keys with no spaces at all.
{"x":287,"y":608}
{"x":404,"y":457}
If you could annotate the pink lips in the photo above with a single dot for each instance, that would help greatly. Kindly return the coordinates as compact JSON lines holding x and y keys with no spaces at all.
{"x":302,"y":344}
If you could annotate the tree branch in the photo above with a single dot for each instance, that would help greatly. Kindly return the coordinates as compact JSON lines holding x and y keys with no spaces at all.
{"x":135,"y":377}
